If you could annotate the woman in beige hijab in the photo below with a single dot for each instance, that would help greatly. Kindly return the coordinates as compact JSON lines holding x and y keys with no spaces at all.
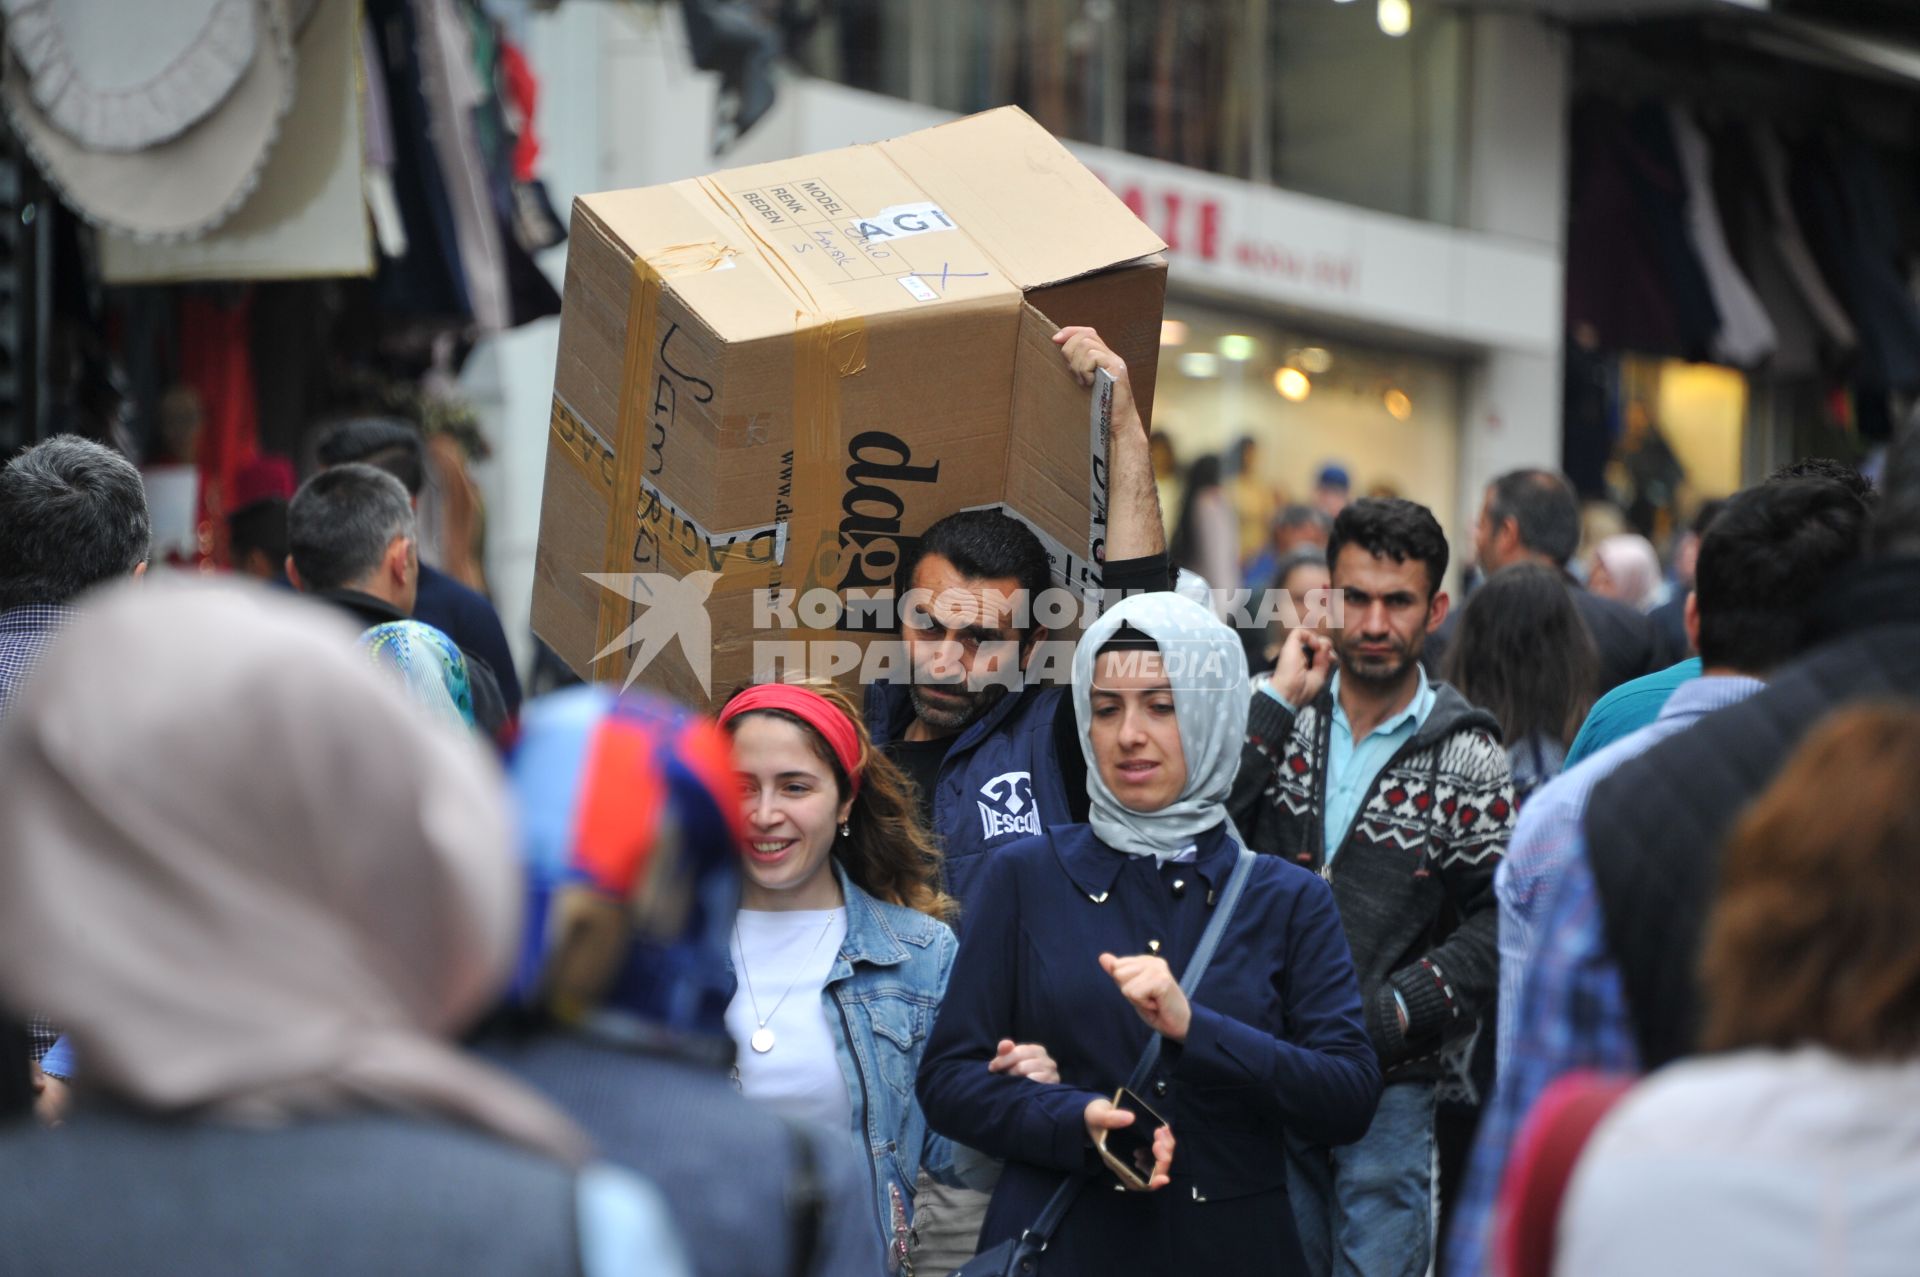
{"x":260,"y":892}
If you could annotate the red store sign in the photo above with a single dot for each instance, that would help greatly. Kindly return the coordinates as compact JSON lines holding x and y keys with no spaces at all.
{"x":1196,"y":229}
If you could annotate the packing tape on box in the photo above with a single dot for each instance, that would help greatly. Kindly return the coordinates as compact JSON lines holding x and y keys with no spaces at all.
{"x":645,"y":530}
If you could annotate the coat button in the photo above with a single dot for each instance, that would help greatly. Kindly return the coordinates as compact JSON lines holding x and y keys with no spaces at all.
{"x":1179,"y":888}
{"x":1160,"y":1087}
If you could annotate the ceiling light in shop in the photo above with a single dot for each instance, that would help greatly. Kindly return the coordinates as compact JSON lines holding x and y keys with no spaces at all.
{"x":1237,"y":347}
{"x":1315,"y":359}
{"x":1199,"y":364}
{"x":1399,"y":403}
{"x":1292,"y":384}
{"x":1172,"y":333}
{"x":1395,"y":16}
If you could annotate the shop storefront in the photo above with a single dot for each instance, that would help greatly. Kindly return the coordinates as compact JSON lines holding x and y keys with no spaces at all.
{"x":1389,"y":419}
{"x":1742,"y":240}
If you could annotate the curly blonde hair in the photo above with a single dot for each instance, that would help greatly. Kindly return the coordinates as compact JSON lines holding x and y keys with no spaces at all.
{"x":887,"y":851}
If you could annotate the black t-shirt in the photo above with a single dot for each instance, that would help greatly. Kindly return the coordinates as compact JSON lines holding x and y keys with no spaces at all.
{"x":921,"y":760}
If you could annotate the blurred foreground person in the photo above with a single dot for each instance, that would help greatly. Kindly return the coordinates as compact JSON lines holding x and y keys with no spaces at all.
{"x":1794,"y":1148}
{"x":1082,"y":939}
{"x":1760,"y":570}
{"x":840,"y":949}
{"x":630,"y":817}
{"x":261,"y":905}
{"x":1521,"y":654}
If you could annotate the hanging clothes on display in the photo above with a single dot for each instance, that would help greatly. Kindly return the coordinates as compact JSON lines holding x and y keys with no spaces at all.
{"x":453,"y":92}
{"x":1621,"y":292}
{"x":304,"y":218}
{"x":216,"y":360}
{"x":428,"y":280}
{"x":1801,"y":349}
{"x":1839,"y":190}
{"x":1746,"y":336}
{"x":194,"y":94}
{"x":1795,"y":253}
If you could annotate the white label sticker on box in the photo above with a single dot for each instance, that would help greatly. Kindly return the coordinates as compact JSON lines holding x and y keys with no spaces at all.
{"x":920,"y":288}
{"x":901,"y":221}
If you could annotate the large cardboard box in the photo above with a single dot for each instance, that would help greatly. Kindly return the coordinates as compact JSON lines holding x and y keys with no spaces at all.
{"x":774,"y":378}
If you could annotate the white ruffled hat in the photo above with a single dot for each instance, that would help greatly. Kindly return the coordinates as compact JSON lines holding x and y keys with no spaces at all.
{"x":152,"y":119}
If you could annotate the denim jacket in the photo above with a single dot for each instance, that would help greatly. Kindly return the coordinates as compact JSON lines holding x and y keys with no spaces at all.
{"x":881,"y":997}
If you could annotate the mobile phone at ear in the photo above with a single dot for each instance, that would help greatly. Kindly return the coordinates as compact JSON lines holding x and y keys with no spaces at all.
{"x":1128,"y":1150}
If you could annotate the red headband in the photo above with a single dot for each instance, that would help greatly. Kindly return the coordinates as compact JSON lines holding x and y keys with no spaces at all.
{"x":811,"y":708}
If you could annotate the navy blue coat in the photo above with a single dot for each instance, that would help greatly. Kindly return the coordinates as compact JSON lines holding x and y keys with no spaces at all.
{"x":1277,"y":1044}
{"x":1001,"y":780}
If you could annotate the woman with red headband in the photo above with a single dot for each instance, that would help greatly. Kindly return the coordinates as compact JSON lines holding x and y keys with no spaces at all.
{"x":841,"y":951}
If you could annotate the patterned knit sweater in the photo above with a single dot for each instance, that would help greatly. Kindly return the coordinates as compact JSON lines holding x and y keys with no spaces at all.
{"x":1413,"y":876}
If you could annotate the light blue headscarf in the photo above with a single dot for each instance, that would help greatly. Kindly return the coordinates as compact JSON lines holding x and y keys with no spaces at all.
{"x":428,"y":663}
{"x":1207,"y":667}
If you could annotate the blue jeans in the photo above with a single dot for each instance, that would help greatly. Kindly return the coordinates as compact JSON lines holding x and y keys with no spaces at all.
{"x":1366,"y":1210}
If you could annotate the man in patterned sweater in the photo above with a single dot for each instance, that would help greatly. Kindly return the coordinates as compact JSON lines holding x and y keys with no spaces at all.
{"x":1396,"y":790}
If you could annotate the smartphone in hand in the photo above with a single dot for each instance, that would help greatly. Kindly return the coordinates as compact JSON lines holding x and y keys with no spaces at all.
{"x":1128,"y":1150}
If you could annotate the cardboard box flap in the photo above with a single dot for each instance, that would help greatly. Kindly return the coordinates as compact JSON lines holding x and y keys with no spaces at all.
{"x":1015,"y":191}
{"x":1056,"y":457}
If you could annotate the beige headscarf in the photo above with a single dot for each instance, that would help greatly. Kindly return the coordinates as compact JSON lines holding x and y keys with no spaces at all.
{"x":247,"y":877}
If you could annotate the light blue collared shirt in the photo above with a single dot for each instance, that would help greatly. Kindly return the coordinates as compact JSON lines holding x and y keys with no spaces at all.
{"x":1353,"y":766}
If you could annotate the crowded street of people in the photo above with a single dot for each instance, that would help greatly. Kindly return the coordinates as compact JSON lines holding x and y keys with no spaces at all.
{"x":701,"y":638}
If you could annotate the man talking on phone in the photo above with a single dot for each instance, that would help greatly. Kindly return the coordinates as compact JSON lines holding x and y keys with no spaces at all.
{"x":1397,"y":791}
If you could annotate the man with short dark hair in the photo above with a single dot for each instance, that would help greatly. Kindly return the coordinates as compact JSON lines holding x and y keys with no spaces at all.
{"x":1398,"y":791}
{"x":1533,"y":516}
{"x":73,"y":514}
{"x":351,"y":541}
{"x":463,"y":614}
{"x":1768,"y":552}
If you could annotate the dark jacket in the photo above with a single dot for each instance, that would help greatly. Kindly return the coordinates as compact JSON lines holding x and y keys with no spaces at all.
{"x":1414,"y":875}
{"x":489,"y":703}
{"x":1655,"y":826}
{"x":726,"y":1166}
{"x":468,"y":618}
{"x":1000,"y":782}
{"x":1276,"y":1045}
{"x":377,"y":1195}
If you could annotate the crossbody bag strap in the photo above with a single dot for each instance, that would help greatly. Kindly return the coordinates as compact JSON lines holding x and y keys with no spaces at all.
{"x":1063,"y":1198}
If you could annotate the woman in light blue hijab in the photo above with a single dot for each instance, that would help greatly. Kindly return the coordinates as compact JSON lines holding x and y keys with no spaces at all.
{"x":1079,"y":941}
{"x":429,"y":664}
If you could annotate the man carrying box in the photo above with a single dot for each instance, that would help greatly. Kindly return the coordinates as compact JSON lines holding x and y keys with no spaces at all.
{"x":994,"y":763}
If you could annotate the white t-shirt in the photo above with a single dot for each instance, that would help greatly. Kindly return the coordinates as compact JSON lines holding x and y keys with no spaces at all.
{"x":800,"y":1077}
